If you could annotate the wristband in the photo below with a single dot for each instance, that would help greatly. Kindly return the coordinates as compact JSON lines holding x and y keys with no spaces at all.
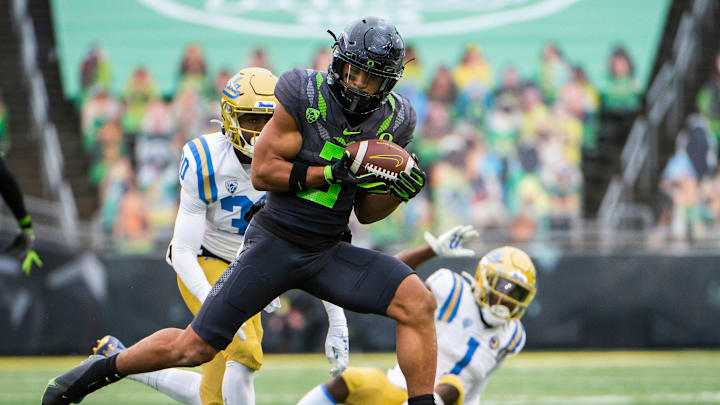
{"x":328,"y":174}
{"x":298,"y":173}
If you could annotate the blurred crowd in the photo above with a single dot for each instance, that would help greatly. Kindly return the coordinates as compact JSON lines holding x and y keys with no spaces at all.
{"x":501,"y":150}
{"x":689,"y":198}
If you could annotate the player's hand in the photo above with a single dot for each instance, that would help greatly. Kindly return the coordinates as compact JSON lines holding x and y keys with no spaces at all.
{"x":339,"y":173}
{"x":257,"y":206}
{"x":22,"y":246}
{"x":240,"y":334}
{"x":450,"y":243}
{"x":337,"y":349}
{"x":273,"y":306}
{"x":406,"y":186}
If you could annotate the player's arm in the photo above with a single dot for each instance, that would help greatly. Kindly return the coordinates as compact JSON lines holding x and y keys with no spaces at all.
{"x":186,"y":242}
{"x":371,"y":207}
{"x":450,"y":389}
{"x":448,"y":393}
{"x":337,"y":342}
{"x":278,"y":143}
{"x":449,"y":244}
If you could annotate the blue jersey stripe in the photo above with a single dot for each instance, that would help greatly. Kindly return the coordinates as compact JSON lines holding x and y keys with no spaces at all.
{"x":449,"y":298}
{"x":460,"y":365}
{"x":211,"y":170}
{"x":513,"y":340}
{"x":521,"y":339}
{"x":198,"y":169}
{"x":459,"y":298}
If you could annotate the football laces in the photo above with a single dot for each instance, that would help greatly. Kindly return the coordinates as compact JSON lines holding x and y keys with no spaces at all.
{"x":382,"y":173}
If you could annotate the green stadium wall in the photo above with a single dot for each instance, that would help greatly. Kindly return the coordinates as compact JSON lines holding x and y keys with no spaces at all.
{"x":632,"y":301}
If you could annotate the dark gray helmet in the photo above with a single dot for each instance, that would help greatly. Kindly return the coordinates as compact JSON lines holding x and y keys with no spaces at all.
{"x":374,"y":46}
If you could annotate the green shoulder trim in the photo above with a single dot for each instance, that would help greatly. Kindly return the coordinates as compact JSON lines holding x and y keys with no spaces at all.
{"x":321,"y":100}
{"x":386,"y":123}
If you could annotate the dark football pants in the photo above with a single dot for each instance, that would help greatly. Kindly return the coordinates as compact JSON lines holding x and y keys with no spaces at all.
{"x":354,"y":278}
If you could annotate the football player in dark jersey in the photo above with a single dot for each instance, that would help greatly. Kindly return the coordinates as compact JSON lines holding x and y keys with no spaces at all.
{"x":22,"y":245}
{"x":295,"y":241}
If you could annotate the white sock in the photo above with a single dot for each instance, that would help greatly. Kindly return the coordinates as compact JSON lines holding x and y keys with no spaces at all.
{"x":180,"y":385}
{"x":318,"y":396}
{"x":237,"y":387}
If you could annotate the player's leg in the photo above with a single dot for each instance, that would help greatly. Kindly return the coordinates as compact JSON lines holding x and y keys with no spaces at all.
{"x":243,"y":358}
{"x":246,"y":287}
{"x":214,"y":370}
{"x":413,"y":307}
{"x":363,"y":280}
{"x":238,"y":384}
{"x":180,"y":385}
{"x":356,"y":386}
{"x":165,"y":348}
{"x":211,"y":380}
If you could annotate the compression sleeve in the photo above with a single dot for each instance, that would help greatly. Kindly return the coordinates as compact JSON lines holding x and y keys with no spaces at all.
{"x":186,"y":242}
{"x":11,"y":192}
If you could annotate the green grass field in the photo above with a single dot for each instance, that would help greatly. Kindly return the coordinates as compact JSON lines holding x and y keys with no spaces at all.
{"x":639,"y":378}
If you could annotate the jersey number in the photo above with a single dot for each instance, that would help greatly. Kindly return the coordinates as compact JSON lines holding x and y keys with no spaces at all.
{"x":230,"y":202}
{"x":184,"y":167}
{"x":327,"y":198}
{"x":460,"y":365}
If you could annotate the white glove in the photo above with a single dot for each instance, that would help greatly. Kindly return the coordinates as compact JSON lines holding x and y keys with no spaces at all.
{"x":240,"y":334}
{"x":273,"y":306}
{"x":450,"y":243}
{"x":337,"y":348}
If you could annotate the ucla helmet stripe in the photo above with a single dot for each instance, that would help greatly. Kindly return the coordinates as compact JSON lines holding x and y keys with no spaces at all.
{"x":449,"y":298}
{"x":460,"y":365}
{"x":232,"y":96}
{"x":199,"y":170}
{"x":211,"y":170}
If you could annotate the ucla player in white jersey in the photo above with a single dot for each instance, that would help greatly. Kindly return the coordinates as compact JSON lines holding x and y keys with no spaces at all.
{"x":478,"y":325}
{"x":216,"y":194}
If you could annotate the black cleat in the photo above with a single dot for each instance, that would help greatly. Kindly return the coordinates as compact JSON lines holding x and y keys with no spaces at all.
{"x":65,"y":389}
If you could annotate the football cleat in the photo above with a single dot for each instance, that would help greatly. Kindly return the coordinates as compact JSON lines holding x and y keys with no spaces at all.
{"x":64,"y":390}
{"x":108,"y":346}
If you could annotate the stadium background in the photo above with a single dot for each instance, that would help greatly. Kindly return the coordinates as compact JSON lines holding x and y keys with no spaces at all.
{"x":607,"y":176}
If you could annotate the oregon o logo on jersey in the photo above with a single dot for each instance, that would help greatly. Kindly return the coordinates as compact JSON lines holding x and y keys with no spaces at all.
{"x":302,"y":19}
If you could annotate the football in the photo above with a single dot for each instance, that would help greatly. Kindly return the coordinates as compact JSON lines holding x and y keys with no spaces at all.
{"x":384,"y":158}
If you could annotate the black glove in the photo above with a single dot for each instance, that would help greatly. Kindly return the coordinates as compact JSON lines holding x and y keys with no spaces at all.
{"x":346,"y":236}
{"x":22,"y":246}
{"x":407,"y":186}
{"x":259,"y":204}
{"x":339,"y":173}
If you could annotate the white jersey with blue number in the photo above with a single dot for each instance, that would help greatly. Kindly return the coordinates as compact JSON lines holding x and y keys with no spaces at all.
{"x":466,"y":347}
{"x":213,"y":180}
